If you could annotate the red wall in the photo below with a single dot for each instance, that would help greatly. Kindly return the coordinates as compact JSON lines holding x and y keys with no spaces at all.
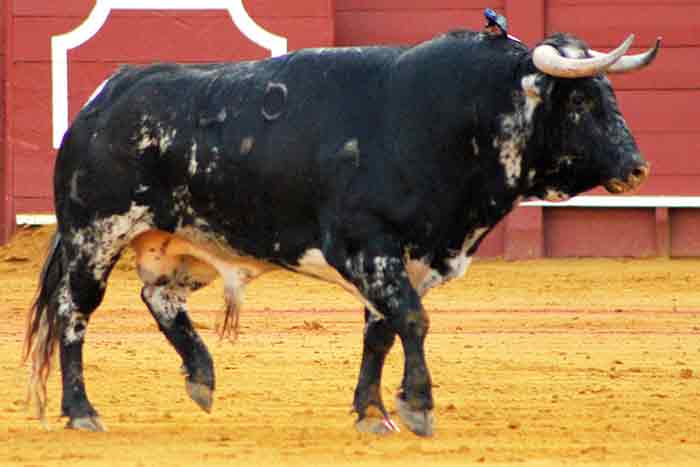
{"x":405,"y":21}
{"x":3,"y":205}
{"x":7,"y":212}
{"x":658,"y":103}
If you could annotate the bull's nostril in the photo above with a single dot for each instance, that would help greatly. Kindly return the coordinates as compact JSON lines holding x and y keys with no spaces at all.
{"x":638,"y":173}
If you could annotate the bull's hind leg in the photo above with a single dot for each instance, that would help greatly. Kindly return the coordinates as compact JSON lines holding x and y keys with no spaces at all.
{"x":72,"y":285}
{"x":168,"y":282}
{"x":372,"y":415}
{"x":77,"y":296}
{"x":73,"y":314}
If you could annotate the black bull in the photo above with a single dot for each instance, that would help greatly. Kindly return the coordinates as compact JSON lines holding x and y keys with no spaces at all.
{"x":377,"y":168}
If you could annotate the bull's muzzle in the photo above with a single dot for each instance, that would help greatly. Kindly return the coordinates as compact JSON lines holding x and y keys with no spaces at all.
{"x":635,"y":178}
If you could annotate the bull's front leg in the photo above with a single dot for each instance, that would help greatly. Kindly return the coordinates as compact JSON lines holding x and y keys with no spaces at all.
{"x":380,"y":276}
{"x":378,"y":340}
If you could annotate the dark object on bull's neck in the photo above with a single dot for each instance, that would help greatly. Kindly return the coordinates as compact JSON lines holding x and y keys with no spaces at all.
{"x":495,"y":24}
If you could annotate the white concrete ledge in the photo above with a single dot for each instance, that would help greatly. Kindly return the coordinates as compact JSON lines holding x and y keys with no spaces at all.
{"x":36,"y":219}
{"x":621,"y":202}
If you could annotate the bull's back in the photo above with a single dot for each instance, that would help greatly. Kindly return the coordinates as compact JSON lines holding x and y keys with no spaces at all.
{"x":239,"y":144}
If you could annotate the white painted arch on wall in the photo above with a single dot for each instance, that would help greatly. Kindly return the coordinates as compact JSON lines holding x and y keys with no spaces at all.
{"x":61,"y":44}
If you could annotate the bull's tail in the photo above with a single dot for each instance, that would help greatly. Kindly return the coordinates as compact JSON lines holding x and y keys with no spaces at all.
{"x":42,"y":332}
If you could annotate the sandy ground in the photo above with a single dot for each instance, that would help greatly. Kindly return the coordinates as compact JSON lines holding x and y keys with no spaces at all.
{"x":556,"y":362}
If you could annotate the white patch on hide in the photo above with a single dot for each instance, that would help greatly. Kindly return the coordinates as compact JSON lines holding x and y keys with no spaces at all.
{"x":533,"y":97}
{"x":153,"y":134}
{"x":166,"y":138}
{"x":531,"y":176}
{"x":352,"y":146}
{"x":213,"y":165}
{"x":247,"y":144}
{"x":74,"y":195}
{"x":352,"y":149}
{"x":516,"y":129}
{"x":192,"y":169}
{"x":146,"y":140}
{"x":475,"y":147}
{"x":105,"y":237}
{"x":510,"y":157}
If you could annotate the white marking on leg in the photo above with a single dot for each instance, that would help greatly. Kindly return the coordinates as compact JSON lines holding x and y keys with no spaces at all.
{"x":102,"y":240}
{"x":69,"y":314}
{"x":75,"y":328}
{"x":165,"y":303}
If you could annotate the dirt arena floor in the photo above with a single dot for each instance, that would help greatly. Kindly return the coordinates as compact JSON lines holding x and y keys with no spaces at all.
{"x":557,"y":362}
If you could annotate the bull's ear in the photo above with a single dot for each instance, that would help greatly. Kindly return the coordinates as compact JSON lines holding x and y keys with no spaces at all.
{"x":535,"y":86}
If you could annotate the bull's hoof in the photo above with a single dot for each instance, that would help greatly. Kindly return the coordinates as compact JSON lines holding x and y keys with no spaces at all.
{"x":92,"y":423}
{"x":421,"y":422}
{"x":201,"y":394}
{"x":376,"y":425}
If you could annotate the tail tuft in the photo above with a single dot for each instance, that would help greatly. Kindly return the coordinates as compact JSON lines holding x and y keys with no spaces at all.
{"x":42,"y":333}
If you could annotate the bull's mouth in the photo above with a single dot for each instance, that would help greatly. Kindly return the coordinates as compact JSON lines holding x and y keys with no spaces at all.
{"x":555,"y":196}
{"x":618,"y":186}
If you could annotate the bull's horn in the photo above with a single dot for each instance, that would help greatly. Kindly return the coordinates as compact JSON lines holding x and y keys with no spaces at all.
{"x":632,"y":62}
{"x":548,"y":60}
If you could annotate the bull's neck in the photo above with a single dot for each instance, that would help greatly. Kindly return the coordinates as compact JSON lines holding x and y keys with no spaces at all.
{"x":470,"y":131}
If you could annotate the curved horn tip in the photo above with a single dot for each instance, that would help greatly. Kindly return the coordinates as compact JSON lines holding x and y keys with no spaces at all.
{"x":628,"y":42}
{"x":634,"y":62}
{"x":547,"y":59}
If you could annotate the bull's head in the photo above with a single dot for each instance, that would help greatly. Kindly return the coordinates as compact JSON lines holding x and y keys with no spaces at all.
{"x":580,"y":127}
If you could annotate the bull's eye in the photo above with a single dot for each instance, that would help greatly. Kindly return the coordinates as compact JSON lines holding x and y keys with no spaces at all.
{"x":577,"y":100}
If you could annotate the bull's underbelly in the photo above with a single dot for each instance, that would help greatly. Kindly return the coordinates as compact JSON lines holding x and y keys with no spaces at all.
{"x":195,"y":259}
{"x":161,"y":255}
